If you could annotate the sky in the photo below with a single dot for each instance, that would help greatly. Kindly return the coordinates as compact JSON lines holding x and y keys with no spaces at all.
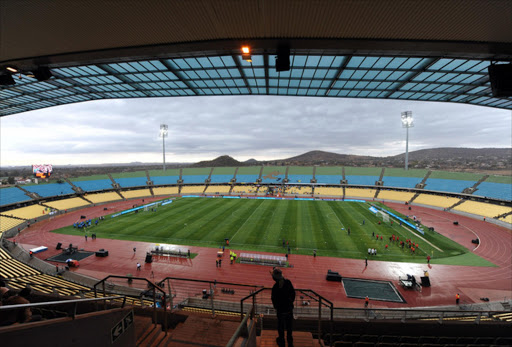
{"x":244,"y":127}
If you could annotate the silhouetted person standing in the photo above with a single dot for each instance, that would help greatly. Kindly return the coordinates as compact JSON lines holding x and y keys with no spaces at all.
{"x":283,"y":296}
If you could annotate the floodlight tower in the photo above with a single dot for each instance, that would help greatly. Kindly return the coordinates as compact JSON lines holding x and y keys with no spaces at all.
{"x":407,"y":122}
{"x":163,"y":135}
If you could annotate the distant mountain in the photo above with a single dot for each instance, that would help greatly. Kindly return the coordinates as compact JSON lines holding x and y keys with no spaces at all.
{"x":224,"y":160}
{"x":326,"y":157}
{"x":452,"y":153}
{"x":251,"y":161}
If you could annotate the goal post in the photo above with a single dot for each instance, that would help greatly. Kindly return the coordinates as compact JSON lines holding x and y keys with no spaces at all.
{"x":384,"y":216}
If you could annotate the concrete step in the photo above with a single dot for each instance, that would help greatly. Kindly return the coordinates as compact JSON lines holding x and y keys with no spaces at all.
{"x":203,"y":330}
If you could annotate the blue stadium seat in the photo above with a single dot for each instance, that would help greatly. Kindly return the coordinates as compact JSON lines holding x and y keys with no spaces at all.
{"x":93,"y":185}
{"x":131,"y":181}
{"x":51,"y":189}
{"x":12,"y":195}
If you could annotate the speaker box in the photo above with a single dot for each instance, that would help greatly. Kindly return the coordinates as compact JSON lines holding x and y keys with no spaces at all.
{"x":6,"y":80}
{"x":59,"y":245}
{"x":425,"y":281}
{"x":500,"y":76}
{"x":455,"y":223}
{"x":149,"y":258}
{"x":283,"y":59}
{"x":42,"y":73}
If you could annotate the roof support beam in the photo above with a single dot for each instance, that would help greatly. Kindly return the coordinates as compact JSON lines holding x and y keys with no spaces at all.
{"x":179,"y":75}
{"x":123,"y":78}
{"x":242,"y":73}
{"x":427,"y":65}
{"x":341,"y":68}
{"x":265,"y":63}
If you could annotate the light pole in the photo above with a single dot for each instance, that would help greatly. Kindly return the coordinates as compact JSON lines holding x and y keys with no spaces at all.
{"x":407,"y":122}
{"x":163,"y":135}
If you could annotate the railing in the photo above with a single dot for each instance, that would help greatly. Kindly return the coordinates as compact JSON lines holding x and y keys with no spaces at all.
{"x":245,"y":331}
{"x":152,"y":286}
{"x":262,"y":304}
{"x":63,"y":302}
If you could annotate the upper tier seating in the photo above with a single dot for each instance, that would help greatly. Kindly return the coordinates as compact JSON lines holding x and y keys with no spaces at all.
{"x":27,"y":212}
{"x":165,"y":191}
{"x":51,"y":189}
{"x":401,"y":182}
{"x":192,"y":189}
{"x":393,"y":195}
{"x":435,"y":200}
{"x":93,"y":185}
{"x":446,"y":185}
{"x":482,"y":209}
{"x":328,"y":179}
{"x":138,"y":193}
{"x":66,"y":204}
{"x":501,"y":191}
{"x":131,"y":181}
{"x":299,"y":178}
{"x":220,"y":178}
{"x":246,"y":178}
{"x":102,"y":197}
{"x":329,"y":191}
{"x":218,"y":189}
{"x":363,"y":193}
{"x":160,"y":180}
{"x":190,"y":179}
{"x":362,"y":180}
{"x":12,"y":195}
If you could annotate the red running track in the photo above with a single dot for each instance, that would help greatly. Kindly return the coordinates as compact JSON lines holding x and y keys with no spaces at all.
{"x":308,"y":272}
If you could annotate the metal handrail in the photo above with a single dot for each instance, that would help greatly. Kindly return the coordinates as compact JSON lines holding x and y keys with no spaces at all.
{"x":62,"y":302}
{"x":242,"y":328}
{"x":153,"y":286}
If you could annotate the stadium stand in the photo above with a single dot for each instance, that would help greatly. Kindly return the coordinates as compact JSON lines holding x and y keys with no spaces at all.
{"x":103,"y":197}
{"x":51,"y":189}
{"x":394,"y":195}
{"x":299,"y":178}
{"x":436,"y":200}
{"x":244,"y":190}
{"x":493,"y":190}
{"x":192,"y":189}
{"x":191,"y":179}
{"x":218,"y":189}
{"x":273,"y":174}
{"x":67,"y":204}
{"x":328,"y":174}
{"x":300,"y":174}
{"x":328,"y":179}
{"x":100,"y":182}
{"x":7,"y":223}
{"x":362,"y":180}
{"x":299,"y":190}
{"x":161,"y":180}
{"x":138,"y":193}
{"x":195,"y":175}
{"x":328,"y":191}
{"x":362,"y":193}
{"x":12,"y":268}
{"x":165,"y":191}
{"x":507,"y":219}
{"x":12,"y":195}
{"x":27,"y":212}
{"x":482,"y":209}
{"x":131,"y":181}
{"x":401,"y":182}
{"x":445,"y":185}
{"x":220,"y":178}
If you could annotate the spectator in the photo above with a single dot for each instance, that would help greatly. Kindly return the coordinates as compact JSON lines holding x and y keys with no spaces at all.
{"x":17,"y":315}
{"x":283,"y":296}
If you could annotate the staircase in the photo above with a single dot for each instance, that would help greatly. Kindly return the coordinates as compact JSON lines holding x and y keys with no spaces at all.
{"x":300,"y":339}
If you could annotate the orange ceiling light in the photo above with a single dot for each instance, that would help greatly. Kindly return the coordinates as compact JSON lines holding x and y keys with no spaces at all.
{"x":246,"y":53}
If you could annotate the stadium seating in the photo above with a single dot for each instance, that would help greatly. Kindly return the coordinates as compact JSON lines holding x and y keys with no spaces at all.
{"x":435,"y":200}
{"x":12,"y":195}
{"x":444,"y":185}
{"x":507,"y":219}
{"x":501,"y":191}
{"x":328,"y":179}
{"x":131,"y":181}
{"x":191,"y":179}
{"x":192,"y":189}
{"x":401,"y":182}
{"x":300,"y":190}
{"x":244,"y":190}
{"x":12,"y":268}
{"x":94,"y":185}
{"x":161,"y":180}
{"x":102,"y":197}
{"x":482,"y":209}
{"x":218,"y":189}
{"x":362,"y":180}
{"x":165,"y":191}
{"x":220,"y":178}
{"x":328,"y":191}
{"x":299,"y":178}
{"x":28,"y":212}
{"x":360,"y":193}
{"x":51,"y":189}
{"x":394,"y":195}
{"x":67,"y":204}
{"x":246,"y":178}
{"x":7,"y":223}
{"x":138,"y":193}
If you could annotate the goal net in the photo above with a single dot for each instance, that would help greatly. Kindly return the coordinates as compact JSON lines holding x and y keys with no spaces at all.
{"x":384,"y":216}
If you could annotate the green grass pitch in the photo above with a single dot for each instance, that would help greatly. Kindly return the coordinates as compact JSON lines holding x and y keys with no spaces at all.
{"x":262,"y":225}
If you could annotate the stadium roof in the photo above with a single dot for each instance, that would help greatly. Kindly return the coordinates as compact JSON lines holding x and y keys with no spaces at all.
{"x":385,"y":49}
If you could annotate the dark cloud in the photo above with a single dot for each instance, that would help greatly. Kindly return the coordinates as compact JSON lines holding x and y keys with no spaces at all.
{"x":243,"y":127}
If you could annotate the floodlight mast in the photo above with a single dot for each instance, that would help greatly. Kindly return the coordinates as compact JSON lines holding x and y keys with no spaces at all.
{"x":407,"y":122}
{"x":163,"y":135}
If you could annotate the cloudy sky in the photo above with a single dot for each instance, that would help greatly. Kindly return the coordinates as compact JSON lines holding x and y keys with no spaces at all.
{"x":202,"y":128}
